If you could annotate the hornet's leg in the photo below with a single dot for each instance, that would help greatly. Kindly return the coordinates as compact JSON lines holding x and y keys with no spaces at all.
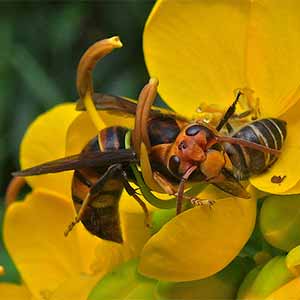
{"x":94,"y":191}
{"x":229,"y":113}
{"x":172,"y":190}
{"x":132,"y":192}
{"x":184,"y":178}
{"x":114,"y":171}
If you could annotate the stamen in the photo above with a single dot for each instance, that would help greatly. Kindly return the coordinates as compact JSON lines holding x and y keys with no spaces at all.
{"x":84,"y":74}
{"x":13,"y":190}
{"x":146,"y":99}
{"x":147,"y":170}
{"x":92,"y":111}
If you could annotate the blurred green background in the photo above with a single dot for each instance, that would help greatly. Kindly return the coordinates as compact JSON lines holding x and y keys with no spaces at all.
{"x":41,"y":44}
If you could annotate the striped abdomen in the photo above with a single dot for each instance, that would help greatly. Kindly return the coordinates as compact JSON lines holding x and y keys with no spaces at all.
{"x":246,"y":161}
{"x":101,"y":216}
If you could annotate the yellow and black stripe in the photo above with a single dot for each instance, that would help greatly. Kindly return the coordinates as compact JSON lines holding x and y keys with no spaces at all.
{"x":246,"y":161}
{"x":101,"y":217}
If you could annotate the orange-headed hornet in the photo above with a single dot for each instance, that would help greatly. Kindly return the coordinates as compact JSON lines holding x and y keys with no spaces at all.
{"x":179,"y":151}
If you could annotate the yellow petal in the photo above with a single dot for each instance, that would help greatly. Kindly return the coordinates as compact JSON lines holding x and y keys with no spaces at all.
{"x":273,"y":34}
{"x":199,"y":242}
{"x":294,"y":190}
{"x":201,"y":52}
{"x":135,"y":230}
{"x":135,"y":235}
{"x":293,"y":261}
{"x":34,"y":237}
{"x":9,"y":291}
{"x":76,"y":287}
{"x":82,"y":130}
{"x":44,"y":141}
{"x":289,"y":291}
{"x":289,"y":158}
{"x":197,"y":51}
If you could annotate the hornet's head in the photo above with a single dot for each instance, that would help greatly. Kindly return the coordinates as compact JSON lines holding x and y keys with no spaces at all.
{"x":191,"y":148}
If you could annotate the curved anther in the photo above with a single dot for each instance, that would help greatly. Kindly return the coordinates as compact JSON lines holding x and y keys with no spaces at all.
{"x":84,"y":81}
{"x":151,"y":96}
{"x":13,"y":190}
{"x":145,"y":101}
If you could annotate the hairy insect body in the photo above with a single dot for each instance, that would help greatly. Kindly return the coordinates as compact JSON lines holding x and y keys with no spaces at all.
{"x":166,"y":152}
{"x":101,"y":216}
{"x":246,"y":161}
{"x":101,"y":170}
{"x":175,"y":145}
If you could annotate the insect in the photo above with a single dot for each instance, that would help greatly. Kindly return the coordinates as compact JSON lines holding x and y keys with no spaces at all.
{"x":179,"y":152}
{"x":277,"y":179}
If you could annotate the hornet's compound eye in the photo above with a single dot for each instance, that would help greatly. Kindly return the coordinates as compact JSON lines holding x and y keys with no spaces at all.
{"x":197,"y":128}
{"x":193,"y":130}
{"x":174,"y":163}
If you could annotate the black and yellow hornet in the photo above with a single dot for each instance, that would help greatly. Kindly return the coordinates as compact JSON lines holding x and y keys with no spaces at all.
{"x":165,"y":152}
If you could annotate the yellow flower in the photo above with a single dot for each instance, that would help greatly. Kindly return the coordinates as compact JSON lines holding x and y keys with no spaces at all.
{"x":51,"y":265}
{"x":203,"y":51}
{"x":202,"y":229}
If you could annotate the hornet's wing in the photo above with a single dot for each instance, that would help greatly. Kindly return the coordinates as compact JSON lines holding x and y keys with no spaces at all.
{"x":120,"y":106}
{"x":89,"y":159}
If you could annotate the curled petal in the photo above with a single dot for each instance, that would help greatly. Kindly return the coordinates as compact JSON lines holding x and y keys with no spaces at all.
{"x":198,"y":243}
{"x":290,"y":290}
{"x":135,"y":234}
{"x":34,"y":237}
{"x":273,"y":34}
{"x":206,"y":62}
{"x":294,"y":190}
{"x":197,"y":51}
{"x":133,"y":221}
{"x":44,"y":141}
{"x":293,"y":261}
{"x":77,"y":286}
{"x":289,"y":158}
{"x":9,"y":291}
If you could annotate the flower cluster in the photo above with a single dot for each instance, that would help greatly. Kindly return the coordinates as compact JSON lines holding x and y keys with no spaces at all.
{"x":244,"y":248}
